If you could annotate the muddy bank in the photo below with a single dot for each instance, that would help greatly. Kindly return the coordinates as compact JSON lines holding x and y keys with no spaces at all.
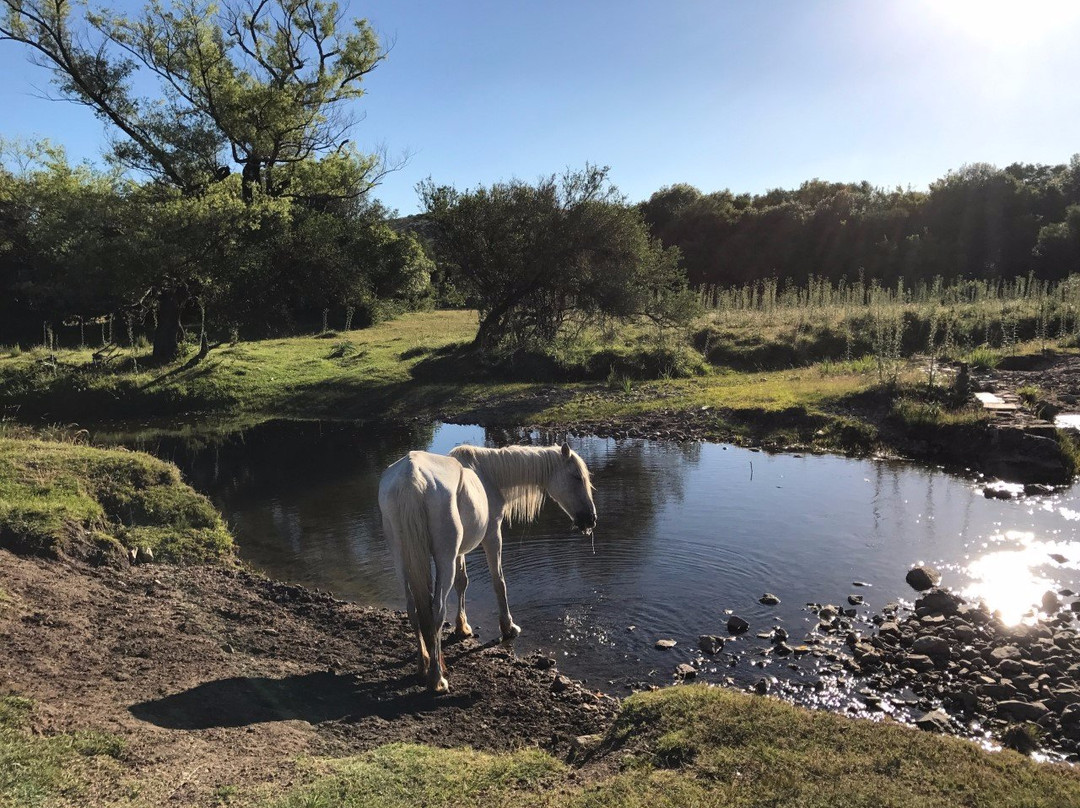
{"x":216,"y":677}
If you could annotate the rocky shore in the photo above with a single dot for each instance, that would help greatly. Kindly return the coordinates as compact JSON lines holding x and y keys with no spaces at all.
{"x":952,"y":666}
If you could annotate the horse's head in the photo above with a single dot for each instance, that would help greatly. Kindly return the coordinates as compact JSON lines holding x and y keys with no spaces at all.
{"x":569,"y":486}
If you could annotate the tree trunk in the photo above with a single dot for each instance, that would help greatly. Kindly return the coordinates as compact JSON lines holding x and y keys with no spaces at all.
{"x":170,"y":330}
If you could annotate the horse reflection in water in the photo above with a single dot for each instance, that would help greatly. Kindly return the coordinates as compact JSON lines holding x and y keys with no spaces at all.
{"x":438,"y":508}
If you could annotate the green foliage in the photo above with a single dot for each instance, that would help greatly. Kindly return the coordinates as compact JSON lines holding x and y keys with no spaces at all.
{"x":265,"y":83}
{"x":974,"y":223}
{"x":531,"y":257}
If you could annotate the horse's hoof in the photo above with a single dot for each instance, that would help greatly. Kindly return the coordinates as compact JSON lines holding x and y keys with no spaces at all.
{"x":512,"y":632}
{"x":464,"y":631}
{"x":441,"y":687}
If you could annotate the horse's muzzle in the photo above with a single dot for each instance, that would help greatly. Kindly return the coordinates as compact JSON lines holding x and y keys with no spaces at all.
{"x":586,"y":523}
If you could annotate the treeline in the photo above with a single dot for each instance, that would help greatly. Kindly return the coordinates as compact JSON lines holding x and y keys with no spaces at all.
{"x":90,"y":257}
{"x":977,"y":222}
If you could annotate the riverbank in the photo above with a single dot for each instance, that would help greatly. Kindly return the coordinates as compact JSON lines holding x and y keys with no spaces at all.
{"x":195,"y":685}
{"x":417,"y":368}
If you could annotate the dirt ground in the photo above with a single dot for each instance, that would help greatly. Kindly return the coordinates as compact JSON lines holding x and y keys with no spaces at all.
{"x":217,"y":677}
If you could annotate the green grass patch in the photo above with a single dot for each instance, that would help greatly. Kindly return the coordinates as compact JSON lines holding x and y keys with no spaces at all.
{"x":701,"y":746}
{"x":406,"y":775}
{"x":921,"y":414}
{"x":45,"y":770}
{"x":60,"y":497}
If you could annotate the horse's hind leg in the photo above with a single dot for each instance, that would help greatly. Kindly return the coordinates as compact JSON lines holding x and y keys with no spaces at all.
{"x":461,"y":583}
{"x":422,"y":659}
{"x":444,"y":544}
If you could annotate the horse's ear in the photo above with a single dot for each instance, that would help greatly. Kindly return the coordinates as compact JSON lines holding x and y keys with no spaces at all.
{"x":566,"y":450}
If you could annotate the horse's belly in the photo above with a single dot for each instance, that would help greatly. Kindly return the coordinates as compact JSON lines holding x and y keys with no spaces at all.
{"x":473,"y":511}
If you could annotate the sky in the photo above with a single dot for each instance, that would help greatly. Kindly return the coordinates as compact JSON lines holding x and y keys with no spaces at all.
{"x":746,"y":95}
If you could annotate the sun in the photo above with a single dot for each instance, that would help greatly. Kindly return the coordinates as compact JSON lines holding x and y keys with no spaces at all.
{"x":1003,"y":23}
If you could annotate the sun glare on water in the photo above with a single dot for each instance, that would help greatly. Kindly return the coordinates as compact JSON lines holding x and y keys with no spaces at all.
{"x":1008,"y":580}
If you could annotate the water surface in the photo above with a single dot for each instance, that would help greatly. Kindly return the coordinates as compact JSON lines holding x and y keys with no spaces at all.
{"x":688,"y":533}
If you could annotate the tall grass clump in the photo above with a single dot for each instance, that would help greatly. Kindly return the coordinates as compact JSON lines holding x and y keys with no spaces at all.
{"x":774,"y":323}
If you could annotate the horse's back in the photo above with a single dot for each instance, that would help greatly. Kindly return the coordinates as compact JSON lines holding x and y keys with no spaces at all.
{"x":439,"y":484}
{"x":421,"y":472}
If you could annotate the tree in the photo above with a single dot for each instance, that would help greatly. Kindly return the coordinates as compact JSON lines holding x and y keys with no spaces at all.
{"x":530,"y":256}
{"x":60,"y":229}
{"x":261,"y":83}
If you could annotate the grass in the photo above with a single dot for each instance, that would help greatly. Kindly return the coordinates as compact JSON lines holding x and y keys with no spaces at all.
{"x":700,"y":746}
{"x":766,"y":390}
{"x":49,"y":770}
{"x":61,"y":497}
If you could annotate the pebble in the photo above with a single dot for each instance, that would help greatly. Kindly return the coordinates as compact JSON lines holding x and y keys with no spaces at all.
{"x":665,"y":644}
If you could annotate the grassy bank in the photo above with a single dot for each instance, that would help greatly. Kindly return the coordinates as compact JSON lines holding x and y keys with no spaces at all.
{"x":417,"y":365}
{"x":687,"y":745}
{"x":64,"y":498}
{"x":705,"y":746}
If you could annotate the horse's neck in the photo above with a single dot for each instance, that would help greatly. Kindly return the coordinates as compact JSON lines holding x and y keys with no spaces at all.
{"x":511,"y":470}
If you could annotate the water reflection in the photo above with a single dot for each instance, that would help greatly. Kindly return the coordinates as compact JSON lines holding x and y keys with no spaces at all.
{"x":687,"y":534}
{"x":1014,"y":571}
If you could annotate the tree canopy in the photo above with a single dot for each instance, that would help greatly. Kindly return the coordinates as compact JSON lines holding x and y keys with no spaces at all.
{"x":262,"y":84}
{"x":531,"y":256}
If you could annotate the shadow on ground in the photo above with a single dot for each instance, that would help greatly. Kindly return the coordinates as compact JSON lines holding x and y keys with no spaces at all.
{"x":313,"y":697}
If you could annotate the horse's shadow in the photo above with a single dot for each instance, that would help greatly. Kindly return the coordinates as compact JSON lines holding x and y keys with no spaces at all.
{"x":312,"y":697}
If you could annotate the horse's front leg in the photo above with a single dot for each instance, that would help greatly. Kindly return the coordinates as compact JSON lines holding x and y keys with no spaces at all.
{"x":461,"y":583}
{"x":493,"y":551}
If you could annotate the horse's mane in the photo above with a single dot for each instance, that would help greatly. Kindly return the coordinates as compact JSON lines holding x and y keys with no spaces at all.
{"x":521,"y":473}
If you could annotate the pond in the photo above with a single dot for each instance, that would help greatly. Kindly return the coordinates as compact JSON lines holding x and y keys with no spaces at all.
{"x":687,"y":534}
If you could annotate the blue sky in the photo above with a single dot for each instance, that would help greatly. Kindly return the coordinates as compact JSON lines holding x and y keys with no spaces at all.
{"x":740,"y":95}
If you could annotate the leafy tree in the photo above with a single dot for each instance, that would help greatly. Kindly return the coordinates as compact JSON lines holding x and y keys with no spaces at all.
{"x":530,"y":256}
{"x":61,"y":229}
{"x":259,"y":83}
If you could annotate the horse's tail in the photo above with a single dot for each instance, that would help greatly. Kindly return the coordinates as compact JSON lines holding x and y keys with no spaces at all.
{"x":407,"y":515}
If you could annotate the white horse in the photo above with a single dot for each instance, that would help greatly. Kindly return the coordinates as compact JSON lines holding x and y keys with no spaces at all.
{"x":439,"y":508}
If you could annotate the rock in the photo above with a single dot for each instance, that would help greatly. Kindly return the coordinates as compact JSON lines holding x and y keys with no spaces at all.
{"x":1058,"y":557}
{"x":1070,"y":715}
{"x":1022,"y":710}
{"x":919,"y":662}
{"x":710,"y":643}
{"x":769,"y":599}
{"x":780,"y":634}
{"x":144,"y":555}
{"x":544,"y":662}
{"x":939,"y":601}
{"x":932,"y":646}
{"x":560,"y":683}
{"x":761,"y":687}
{"x":855,"y":600}
{"x":665,"y":644}
{"x":685,"y":671}
{"x":782,"y":649}
{"x":1051,"y":604}
{"x":736,"y":625}
{"x":1010,"y":667}
{"x":922,"y":578}
{"x":133,"y":555}
{"x":1004,"y":652}
{"x":1037,"y":490}
{"x":584,"y":746}
{"x":935,"y":721}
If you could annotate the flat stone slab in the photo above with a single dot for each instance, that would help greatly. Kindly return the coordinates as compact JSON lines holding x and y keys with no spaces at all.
{"x":994,"y":402}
